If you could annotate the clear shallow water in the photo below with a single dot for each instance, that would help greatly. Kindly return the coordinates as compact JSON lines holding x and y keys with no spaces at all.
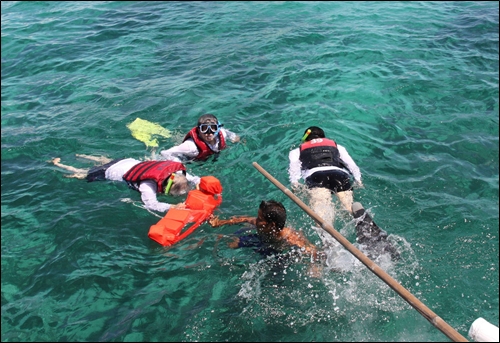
{"x":410,"y":89}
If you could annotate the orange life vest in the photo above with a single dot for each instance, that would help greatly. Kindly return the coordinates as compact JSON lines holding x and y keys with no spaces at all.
{"x":200,"y":204}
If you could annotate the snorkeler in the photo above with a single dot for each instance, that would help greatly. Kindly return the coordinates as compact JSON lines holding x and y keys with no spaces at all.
{"x":207,"y":138}
{"x":327,"y":168}
{"x":322,"y":163}
{"x":147,"y":177}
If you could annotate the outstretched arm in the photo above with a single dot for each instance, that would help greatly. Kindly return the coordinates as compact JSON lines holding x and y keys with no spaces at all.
{"x":294,"y":167}
{"x":184,"y":151}
{"x":148,"y":197}
{"x":233,"y":137}
{"x":214,"y":221}
{"x":350,"y":164}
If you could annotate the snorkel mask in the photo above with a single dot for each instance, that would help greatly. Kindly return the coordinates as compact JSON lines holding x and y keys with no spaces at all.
{"x":214,"y":128}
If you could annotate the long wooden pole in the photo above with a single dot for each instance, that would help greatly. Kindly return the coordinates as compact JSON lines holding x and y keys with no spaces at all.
{"x":403,"y":292}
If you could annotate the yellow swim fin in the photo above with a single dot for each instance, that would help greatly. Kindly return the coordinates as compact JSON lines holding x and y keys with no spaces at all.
{"x":144,"y":131}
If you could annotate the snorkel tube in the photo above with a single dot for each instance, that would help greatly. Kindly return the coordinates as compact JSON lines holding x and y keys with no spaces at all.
{"x":305,"y":136}
{"x":219,"y":125}
{"x":169,"y":184}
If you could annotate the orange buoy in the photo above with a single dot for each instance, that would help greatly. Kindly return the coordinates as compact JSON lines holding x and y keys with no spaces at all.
{"x":200,"y":204}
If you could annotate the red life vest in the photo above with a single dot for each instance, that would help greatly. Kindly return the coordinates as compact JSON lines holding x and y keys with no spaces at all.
{"x":200,"y":204}
{"x":158,"y":171}
{"x":318,"y":142}
{"x":204,"y":150}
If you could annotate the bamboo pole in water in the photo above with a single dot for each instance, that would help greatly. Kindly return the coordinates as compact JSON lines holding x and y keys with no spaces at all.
{"x":403,"y":292}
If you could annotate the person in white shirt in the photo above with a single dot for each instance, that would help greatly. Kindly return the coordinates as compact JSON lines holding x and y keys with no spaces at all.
{"x":322,"y":163}
{"x":207,"y":138}
{"x":147,"y":177}
{"x":327,"y":168}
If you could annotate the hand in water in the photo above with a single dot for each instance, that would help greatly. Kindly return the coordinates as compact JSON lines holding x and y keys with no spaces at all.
{"x":234,"y":243}
{"x":180,"y":206}
{"x":213,"y":220}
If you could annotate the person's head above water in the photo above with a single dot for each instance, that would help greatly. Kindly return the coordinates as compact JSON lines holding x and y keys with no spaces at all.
{"x":208,"y":127}
{"x":179,"y":185}
{"x":315,"y":132}
{"x":207,"y":118}
{"x":271,"y":217}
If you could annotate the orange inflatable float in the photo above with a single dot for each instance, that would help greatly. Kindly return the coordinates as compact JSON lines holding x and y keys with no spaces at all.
{"x":200,"y":204}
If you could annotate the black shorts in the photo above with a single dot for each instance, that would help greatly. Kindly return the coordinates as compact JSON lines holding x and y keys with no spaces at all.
{"x":99,"y":173}
{"x":334,"y":180}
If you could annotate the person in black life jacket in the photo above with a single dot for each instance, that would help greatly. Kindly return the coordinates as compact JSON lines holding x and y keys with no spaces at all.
{"x":322,"y":163}
{"x":327,"y":168}
{"x":147,"y":177}
{"x":207,"y":138}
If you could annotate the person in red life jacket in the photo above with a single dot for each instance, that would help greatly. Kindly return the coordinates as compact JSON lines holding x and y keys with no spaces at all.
{"x":207,"y":138}
{"x":322,"y":163}
{"x":147,"y":177}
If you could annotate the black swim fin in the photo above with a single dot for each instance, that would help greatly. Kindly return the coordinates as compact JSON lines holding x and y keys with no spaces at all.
{"x":369,"y":234}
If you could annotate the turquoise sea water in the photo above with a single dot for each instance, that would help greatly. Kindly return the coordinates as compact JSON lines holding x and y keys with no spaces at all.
{"x":409,"y":88}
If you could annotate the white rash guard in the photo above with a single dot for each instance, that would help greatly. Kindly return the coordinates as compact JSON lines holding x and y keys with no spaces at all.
{"x":147,"y":188}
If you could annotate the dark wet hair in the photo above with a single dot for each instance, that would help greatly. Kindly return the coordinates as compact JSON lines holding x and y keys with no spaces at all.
{"x":316,"y":132}
{"x":274,"y":212}
{"x":204,"y":118}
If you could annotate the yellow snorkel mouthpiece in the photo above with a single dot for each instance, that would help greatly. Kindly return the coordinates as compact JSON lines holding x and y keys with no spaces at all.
{"x":169,"y":184}
{"x":305,"y":135}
